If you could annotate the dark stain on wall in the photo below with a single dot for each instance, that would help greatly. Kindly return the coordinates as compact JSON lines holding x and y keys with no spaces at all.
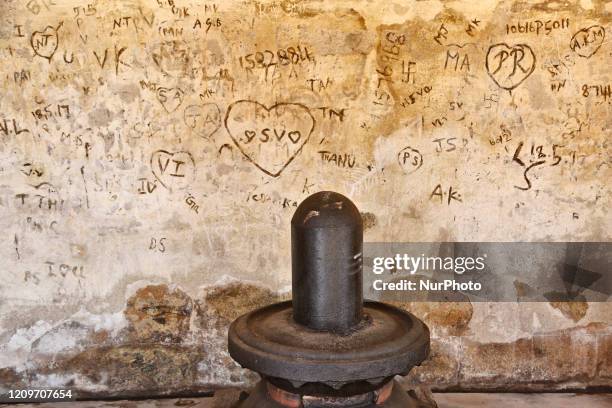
{"x":159,"y":314}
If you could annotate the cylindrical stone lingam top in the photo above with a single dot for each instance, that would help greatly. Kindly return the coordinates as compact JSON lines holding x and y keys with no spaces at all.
{"x":327,"y":266}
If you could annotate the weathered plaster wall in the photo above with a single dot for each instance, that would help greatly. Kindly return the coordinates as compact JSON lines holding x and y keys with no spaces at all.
{"x":152,"y":153}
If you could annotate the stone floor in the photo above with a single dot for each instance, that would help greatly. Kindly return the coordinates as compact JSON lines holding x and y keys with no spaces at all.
{"x":226,"y":399}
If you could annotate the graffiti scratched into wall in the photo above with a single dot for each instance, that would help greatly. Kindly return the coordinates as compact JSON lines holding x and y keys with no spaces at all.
{"x":169,"y":140}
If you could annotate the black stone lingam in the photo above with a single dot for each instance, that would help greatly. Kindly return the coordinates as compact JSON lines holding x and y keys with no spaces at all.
{"x":327,"y":347}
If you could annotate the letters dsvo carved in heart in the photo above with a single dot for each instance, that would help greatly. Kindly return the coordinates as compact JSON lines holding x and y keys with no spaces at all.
{"x":270,"y":138}
{"x":510,"y":65}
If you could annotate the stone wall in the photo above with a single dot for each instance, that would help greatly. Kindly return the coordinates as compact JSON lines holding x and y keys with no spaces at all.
{"x":152,"y":154}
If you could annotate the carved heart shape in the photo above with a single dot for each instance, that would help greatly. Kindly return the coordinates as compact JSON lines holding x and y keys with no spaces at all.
{"x":173,"y":170}
{"x":508,"y":66}
{"x":170,"y":98}
{"x":204,"y":119}
{"x":587,"y":41}
{"x":45,"y":43}
{"x":270,"y":138}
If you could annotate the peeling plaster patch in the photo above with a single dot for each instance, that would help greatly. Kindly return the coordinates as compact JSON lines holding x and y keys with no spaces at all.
{"x":224,"y":371}
{"x":443,"y":319}
{"x":157,"y":313}
{"x":61,"y":338}
{"x":531,"y":362}
{"x":441,"y":368}
{"x":155,"y":368}
{"x":498,"y":322}
{"x":133,"y":287}
{"x":24,"y":337}
{"x":10,"y":376}
{"x":234,"y":299}
{"x":14,"y":353}
{"x":369,"y":220}
{"x":72,"y":381}
{"x":110,"y":322}
{"x":53,"y":380}
{"x":572,"y":310}
{"x":67,"y":336}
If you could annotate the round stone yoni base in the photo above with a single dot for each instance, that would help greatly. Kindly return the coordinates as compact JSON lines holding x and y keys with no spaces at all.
{"x":390,"y":395}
